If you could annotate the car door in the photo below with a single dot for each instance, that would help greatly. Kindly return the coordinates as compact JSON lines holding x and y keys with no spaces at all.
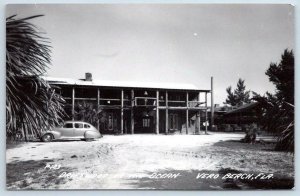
{"x":79,"y":130}
{"x":67,"y":131}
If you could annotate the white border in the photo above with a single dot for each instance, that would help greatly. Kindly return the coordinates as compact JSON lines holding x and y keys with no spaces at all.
{"x":75,"y":193}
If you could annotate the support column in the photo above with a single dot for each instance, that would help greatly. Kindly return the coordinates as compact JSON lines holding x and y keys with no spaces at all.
{"x":205,"y":112}
{"x":212,"y":102}
{"x":157,"y":113}
{"x":122,"y":111}
{"x":167,"y":113}
{"x":187,"y":113}
{"x":73,"y":103}
{"x":132,"y":114}
{"x":199,"y":116}
{"x":98,"y":107}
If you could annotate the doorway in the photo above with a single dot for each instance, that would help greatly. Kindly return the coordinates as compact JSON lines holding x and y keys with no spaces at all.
{"x":173,"y":122}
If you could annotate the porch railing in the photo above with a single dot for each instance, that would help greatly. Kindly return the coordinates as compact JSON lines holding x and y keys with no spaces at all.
{"x":145,"y":101}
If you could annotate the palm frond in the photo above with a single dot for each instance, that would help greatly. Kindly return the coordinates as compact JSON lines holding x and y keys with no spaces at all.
{"x":31,"y":104}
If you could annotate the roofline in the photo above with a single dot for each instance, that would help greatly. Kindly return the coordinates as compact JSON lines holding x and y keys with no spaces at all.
{"x":128,"y":87}
{"x":243,"y":107}
{"x":75,"y":121}
{"x":59,"y":83}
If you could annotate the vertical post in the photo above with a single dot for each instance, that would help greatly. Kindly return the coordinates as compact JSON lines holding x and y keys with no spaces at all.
{"x":73,"y":103}
{"x":98,"y":107}
{"x":167,"y":113}
{"x":187,"y":113}
{"x":157,"y":113}
{"x":212,"y":102}
{"x":48,"y":125}
{"x":132,"y":114}
{"x":205,"y":112}
{"x":122,"y":111}
{"x":199,"y":115}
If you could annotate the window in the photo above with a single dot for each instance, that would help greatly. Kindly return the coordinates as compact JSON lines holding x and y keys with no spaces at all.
{"x":87,"y":126}
{"x":68,"y":125}
{"x":78,"y":125}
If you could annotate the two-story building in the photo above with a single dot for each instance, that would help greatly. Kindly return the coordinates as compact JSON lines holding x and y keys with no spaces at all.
{"x":130,"y":107}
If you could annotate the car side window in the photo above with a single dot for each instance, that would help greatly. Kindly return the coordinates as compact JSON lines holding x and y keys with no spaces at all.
{"x":87,"y":126}
{"x":78,"y":125}
{"x":68,"y":125}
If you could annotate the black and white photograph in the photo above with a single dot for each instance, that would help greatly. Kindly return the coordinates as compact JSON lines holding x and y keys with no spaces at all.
{"x":150,"y":96}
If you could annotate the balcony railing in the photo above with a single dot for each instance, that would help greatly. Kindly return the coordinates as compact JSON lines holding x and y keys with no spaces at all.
{"x":174,"y":103}
{"x":142,"y":102}
{"x":195,"y":104}
{"x":145,"y":101}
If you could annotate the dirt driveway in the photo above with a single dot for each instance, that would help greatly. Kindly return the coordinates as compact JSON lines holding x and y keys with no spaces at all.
{"x":148,"y":161}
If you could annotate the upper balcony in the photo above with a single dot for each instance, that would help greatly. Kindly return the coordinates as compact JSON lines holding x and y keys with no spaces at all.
{"x":137,"y":98}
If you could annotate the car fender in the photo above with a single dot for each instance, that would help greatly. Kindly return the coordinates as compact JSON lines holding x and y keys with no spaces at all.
{"x":91,"y":134}
{"x":55,"y":134}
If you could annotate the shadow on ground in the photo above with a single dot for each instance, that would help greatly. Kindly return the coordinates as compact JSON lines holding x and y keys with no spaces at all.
{"x":238,"y":144}
{"x":188,"y":181}
{"x":33,"y":175}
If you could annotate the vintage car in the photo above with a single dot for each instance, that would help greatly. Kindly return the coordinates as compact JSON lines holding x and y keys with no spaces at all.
{"x":72,"y":130}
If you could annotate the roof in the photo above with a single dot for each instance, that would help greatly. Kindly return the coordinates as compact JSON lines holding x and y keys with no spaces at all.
{"x":243,"y":108}
{"x":75,"y":121}
{"x":125,"y":84}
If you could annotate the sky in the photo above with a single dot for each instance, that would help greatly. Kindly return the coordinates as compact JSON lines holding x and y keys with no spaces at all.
{"x":172,"y":43}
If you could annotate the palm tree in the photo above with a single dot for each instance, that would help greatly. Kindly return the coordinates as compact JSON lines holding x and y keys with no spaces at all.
{"x":88,"y":112}
{"x":31,"y":104}
{"x":286,"y":138}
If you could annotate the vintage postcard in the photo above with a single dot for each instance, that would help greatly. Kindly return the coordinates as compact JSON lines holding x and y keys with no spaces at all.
{"x":149,"y":96}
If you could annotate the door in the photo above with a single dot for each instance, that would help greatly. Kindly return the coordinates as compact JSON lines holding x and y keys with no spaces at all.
{"x":67,"y":130}
{"x":109,"y":123}
{"x":173,"y":122}
{"x":146,"y":124}
{"x":79,"y":130}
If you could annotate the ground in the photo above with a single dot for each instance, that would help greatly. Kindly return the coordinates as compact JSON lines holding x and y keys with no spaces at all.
{"x":150,"y":162}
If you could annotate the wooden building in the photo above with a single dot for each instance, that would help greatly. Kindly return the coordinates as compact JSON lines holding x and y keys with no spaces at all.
{"x":244,"y":114}
{"x":130,"y":108}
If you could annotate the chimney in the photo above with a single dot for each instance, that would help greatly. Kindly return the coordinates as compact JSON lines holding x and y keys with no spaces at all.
{"x":88,"y":76}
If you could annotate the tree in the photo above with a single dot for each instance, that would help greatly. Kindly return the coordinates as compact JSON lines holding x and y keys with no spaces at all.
{"x":278,"y":116}
{"x":88,"y":112}
{"x":231,"y":99}
{"x":31,"y":104}
{"x":240,"y":96}
{"x":282,"y":76}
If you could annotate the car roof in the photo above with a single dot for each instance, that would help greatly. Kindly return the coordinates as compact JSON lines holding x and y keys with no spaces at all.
{"x":70,"y":121}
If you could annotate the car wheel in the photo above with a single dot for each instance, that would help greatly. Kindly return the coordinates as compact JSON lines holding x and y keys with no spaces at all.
{"x":88,"y":139}
{"x":47,"y":138}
